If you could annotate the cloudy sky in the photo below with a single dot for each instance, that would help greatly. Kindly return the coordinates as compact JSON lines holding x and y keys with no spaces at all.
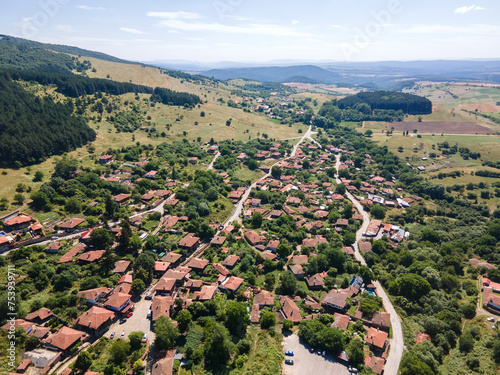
{"x":260,"y":31}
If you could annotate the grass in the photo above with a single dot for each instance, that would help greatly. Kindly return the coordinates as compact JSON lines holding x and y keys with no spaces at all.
{"x":455,"y":363}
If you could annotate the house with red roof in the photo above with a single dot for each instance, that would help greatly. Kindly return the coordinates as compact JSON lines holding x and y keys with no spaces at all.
{"x":232,"y":283}
{"x":63,"y":339}
{"x":290,"y":310}
{"x":376,"y":338}
{"x":94,"y":319}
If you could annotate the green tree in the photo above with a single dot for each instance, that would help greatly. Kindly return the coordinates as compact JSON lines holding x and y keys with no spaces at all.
{"x":83,"y":362}
{"x":276,"y":172}
{"x":184,"y":318}
{"x":125,"y":234}
{"x":19,"y":199}
{"x":257,"y":219}
{"x":73,"y":206}
{"x":166,"y":334}
{"x":119,"y":351}
{"x":38,"y":176}
{"x":218,"y":346}
{"x":138,"y":366}
{"x":283,"y":250}
{"x":287,"y":325}
{"x":355,"y":352}
{"x":100,"y":238}
{"x":236,"y":318}
{"x":288,"y":283}
{"x":135,"y":339}
{"x":378,"y":212}
{"x":267,"y":320}
{"x":137,"y":287}
{"x":347,"y":212}
{"x":466,"y":342}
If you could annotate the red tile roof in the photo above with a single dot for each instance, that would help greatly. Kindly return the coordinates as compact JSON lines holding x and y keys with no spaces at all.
{"x":71,"y":223}
{"x":376,"y":338}
{"x":232,"y":283}
{"x":341,"y":321}
{"x":198,"y":263}
{"x":64,"y":338}
{"x":230,"y":261}
{"x":290,"y":310}
{"x":95,"y":317}
{"x":41,"y":314}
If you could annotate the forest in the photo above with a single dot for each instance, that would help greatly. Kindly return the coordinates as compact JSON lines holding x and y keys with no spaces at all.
{"x":32,"y":128}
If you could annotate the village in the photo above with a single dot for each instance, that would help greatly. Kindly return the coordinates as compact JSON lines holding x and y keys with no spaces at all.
{"x":298,"y":193}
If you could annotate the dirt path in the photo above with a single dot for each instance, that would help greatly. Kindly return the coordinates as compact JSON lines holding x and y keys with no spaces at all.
{"x":397,"y":342}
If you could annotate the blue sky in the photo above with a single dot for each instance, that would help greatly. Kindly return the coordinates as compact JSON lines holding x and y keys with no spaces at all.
{"x":260,"y":31}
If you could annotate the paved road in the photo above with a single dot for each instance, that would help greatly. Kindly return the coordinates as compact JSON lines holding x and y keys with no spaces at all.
{"x":397,"y":342}
{"x":306,"y":363}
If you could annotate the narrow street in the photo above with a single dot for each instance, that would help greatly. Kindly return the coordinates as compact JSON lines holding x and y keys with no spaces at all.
{"x":397,"y":342}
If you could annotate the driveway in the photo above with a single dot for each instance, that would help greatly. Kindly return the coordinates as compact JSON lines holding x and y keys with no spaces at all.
{"x":137,"y":322}
{"x":306,"y":363}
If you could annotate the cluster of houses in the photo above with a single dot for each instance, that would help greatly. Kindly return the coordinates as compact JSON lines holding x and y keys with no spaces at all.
{"x":19,"y":227}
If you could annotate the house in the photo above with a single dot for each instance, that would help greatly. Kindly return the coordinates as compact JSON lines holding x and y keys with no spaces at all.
{"x":165,"y":286}
{"x":298,"y":259}
{"x":341,"y":321}
{"x":5,"y":242}
{"x":206,"y":293}
{"x":198,"y":264}
{"x":18,"y":222}
{"x":71,"y":224}
{"x":63,"y":339}
{"x":342,"y":223}
{"x":273,"y":245}
{"x":235,"y":195}
{"x":290,"y":310}
{"x":54,"y":247}
{"x":40,"y":316}
{"x":253,"y":238}
{"x":19,"y":323}
{"x":161,"y":268}
{"x":221,"y":269}
{"x":164,"y":364}
{"x":335,"y":299}
{"x":376,"y":339}
{"x":194,"y":284}
{"x":151,"y":174}
{"x":161,"y":306}
{"x":297,"y":270}
{"x":263,"y":299}
{"x":193,"y":160}
{"x":91,"y":256}
{"x":118,"y":302}
{"x":375,"y":363}
{"x":218,"y":241}
{"x":121,"y":266}
{"x":23,"y":366}
{"x":269,"y":255}
{"x":105,"y":159}
{"x":121,"y":198}
{"x":230,"y":261}
{"x":189,"y":242}
{"x":382,"y":320}
{"x":93,"y":295}
{"x":94,"y":319}
{"x":171,"y":257}
{"x":232,"y":283}
{"x":315,"y":282}
{"x":180,"y":274}
{"x":71,"y":253}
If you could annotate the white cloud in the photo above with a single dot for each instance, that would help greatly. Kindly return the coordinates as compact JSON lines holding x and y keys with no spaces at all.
{"x":445,"y":29}
{"x":250,"y":29}
{"x":131,"y":30}
{"x":467,"y":9}
{"x":64,"y":27}
{"x":336,"y":26}
{"x":181,"y":15}
{"x":294,"y":22}
{"x":85,"y":7}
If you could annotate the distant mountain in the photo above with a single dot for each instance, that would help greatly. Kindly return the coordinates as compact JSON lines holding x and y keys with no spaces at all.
{"x":299,"y":73}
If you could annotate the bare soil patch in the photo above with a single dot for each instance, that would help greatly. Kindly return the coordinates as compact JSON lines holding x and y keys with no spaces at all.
{"x":440,"y":127}
{"x":480,"y":107}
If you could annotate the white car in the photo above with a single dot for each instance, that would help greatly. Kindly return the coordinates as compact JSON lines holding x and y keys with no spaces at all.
{"x":122,"y":336}
{"x":491,"y":319}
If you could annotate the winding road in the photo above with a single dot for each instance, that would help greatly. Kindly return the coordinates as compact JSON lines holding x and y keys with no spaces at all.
{"x":397,"y":342}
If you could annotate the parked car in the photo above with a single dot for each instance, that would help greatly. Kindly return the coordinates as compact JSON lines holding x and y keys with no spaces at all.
{"x":112,"y":336}
{"x":319,"y":351}
{"x":289,"y":352}
{"x":148,"y":297}
{"x":130,"y":314}
{"x":123,"y":320}
{"x":54,"y":238}
{"x":144,"y":338}
{"x":491,"y":319}
{"x":324,"y":353}
{"x":122,"y":336}
{"x":221,"y":226}
{"x":289,"y":362}
{"x":149,"y":315}
{"x":311,"y":350}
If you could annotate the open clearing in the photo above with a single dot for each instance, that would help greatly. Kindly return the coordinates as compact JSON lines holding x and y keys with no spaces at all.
{"x":439,"y":127}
